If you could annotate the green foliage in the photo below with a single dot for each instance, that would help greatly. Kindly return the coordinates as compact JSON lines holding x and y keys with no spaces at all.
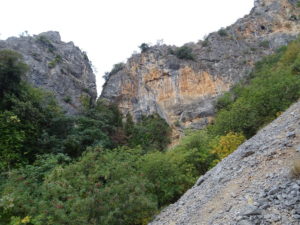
{"x":55,"y":61}
{"x":169,"y":173}
{"x":274,"y":86}
{"x":265,"y":44}
{"x":11,"y":140}
{"x":224,"y":101}
{"x":222,"y":32}
{"x":196,"y":147}
{"x":144,"y":47}
{"x":46,"y":42}
{"x":150,"y":133}
{"x":226,"y":144}
{"x":120,"y":186}
{"x":12,"y":69}
{"x":205,"y":43}
{"x":116,"y":68}
{"x":67,"y":99}
{"x":88,"y":178}
{"x":184,"y":52}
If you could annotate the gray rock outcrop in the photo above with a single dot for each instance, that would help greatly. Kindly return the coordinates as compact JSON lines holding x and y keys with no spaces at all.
{"x":59,"y":67}
{"x":252,"y":186}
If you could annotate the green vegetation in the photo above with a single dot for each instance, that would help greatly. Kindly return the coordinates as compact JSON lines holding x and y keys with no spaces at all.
{"x":144,"y":47}
{"x":116,"y":68}
{"x":205,"y":43}
{"x":55,"y":61}
{"x":67,"y":99}
{"x":264,"y":44}
{"x":98,"y":168}
{"x":46,"y":42}
{"x":222,"y":32}
{"x":150,"y":133}
{"x":273,"y":86}
{"x":184,"y":52}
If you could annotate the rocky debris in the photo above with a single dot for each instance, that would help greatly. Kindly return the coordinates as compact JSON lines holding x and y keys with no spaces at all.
{"x":59,"y":67}
{"x":244,"y":188}
{"x":184,"y":91}
{"x":272,"y":202}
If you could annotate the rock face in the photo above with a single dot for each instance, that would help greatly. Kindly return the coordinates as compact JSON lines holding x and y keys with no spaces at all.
{"x":183,"y":91}
{"x":252,"y":186}
{"x":59,"y":67}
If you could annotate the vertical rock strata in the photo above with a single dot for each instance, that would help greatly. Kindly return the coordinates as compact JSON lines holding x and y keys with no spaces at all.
{"x":59,"y":67}
{"x":184,"y":91}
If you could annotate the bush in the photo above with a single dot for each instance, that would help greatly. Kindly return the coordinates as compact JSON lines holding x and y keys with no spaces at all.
{"x":184,"y":52}
{"x":55,"y":61}
{"x":46,"y":42}
{"x":11,"y":141}
{"x":265,"y":44}
{"x":12,"y":69}
{"x":196,"y":148}
{"x":116,"y":68}
{"x":169,"y":173}
{"x":226,"y":144}
{"x":150,"y":133}
{"x":144,"y":47}
{"x":274,"y":85}
{"x":205,"y":43}
{"x":67,"y":99}
{"x":222,"y":32}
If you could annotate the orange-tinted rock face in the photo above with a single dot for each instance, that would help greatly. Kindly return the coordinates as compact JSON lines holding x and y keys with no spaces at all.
{"x":193,"y":84}
{"x":184,"y":91}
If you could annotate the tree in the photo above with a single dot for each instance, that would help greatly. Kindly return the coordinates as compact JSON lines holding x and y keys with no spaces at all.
{"x":11,"y":140}
{"x":144,"y":47}
{"x":12,"y":69}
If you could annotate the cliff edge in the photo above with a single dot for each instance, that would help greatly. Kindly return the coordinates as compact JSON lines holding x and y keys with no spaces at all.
{"x":56,"y":66}
{"x":183,"y":91}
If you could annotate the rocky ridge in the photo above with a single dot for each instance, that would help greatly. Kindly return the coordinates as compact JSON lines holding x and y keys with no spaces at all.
{"x":59,"y":67}
{"x":182,"y":91}
{"x":252,"y":186}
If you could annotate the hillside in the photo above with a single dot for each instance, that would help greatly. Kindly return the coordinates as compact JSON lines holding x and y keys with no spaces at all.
{"x":69,"y":158}
{"x":182,"y":84}
{"x":56,"y":66}
{"x":251,"y":186}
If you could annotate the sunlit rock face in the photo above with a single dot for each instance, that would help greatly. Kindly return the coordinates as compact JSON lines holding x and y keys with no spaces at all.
{"x":56,"y":66}
{"x":184,"y":91}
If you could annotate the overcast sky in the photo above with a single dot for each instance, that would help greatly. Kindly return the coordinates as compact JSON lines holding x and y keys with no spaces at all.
{"x":110,"y":30}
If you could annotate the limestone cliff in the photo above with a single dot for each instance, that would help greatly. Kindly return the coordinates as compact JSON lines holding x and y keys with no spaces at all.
{"x":59,"y":67}
{"x":183,"y":91}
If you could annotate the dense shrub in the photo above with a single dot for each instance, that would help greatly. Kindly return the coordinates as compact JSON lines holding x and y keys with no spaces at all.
{"x":88,"y":178}
{"x":273,"y":86}
{"x":184,"y":52}
{"x":122,"y":186}
{"x":11,"y":140}
{"x":144,"y":47}
{"x":222,"y":32}
{"x":226,"y":144}
{"x":151,"y":132}
{"x":12,"y":69}
{"x":116,"y":68}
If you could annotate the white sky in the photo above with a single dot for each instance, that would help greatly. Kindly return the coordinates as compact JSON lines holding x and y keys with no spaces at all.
{"x":110,"y":30}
